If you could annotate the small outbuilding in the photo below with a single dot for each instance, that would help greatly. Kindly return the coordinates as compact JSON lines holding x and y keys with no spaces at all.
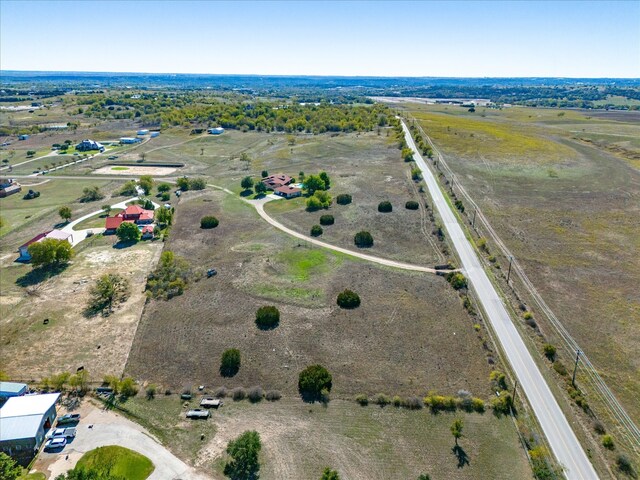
{"x":8,"y":187}
{"x":24,"y":421}
{"x":12,"y":389}
{"x":143,"y":131}
{"x":55,"y":234}
{"x":216,"y":130}
{"x":129,"y":140}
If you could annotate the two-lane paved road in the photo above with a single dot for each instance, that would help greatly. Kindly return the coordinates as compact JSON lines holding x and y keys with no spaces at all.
{"x":560,"y":436}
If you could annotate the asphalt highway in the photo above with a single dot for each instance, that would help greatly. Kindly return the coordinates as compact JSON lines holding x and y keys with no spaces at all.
{"x":561,"y":438}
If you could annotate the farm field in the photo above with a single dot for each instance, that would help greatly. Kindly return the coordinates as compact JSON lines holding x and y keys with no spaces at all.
{"x":393,"y":343}
{"x":567,"y":206}
{"x":299,"y":440}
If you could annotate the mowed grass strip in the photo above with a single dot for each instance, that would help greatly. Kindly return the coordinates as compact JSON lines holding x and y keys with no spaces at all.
{"x":117,"y":461}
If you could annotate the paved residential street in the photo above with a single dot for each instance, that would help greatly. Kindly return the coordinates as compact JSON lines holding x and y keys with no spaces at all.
{"x":560,"y":436}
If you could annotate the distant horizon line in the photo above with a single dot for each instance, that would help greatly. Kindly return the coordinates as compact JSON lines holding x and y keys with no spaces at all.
{"x":91,"y":72}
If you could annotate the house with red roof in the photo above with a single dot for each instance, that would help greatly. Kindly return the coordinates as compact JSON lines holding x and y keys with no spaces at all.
{"x":54,"y":234}
{"x":287,"y":191}
{"x":133,"y":214}
{"x":278,"y":180}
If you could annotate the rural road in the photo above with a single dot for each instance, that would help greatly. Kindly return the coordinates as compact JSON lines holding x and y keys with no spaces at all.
{"x":561,"y":438}
{"x":259,"y":205}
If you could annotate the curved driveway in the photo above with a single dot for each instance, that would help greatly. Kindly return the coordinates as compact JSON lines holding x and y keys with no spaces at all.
{"x":560,"y":436}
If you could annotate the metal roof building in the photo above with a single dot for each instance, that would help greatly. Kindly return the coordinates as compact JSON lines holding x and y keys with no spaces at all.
{"x":12,"y":389}
{"x":24,"y":421}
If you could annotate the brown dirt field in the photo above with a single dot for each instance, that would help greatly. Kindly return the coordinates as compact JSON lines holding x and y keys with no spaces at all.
{"x":410,"y":334}
{"x":31,"y":350}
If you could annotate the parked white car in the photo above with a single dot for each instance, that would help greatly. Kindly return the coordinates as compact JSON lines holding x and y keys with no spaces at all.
{"x":55,"y":442}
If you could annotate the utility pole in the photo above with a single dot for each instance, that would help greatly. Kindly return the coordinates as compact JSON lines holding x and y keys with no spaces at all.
{"x":575,"y":369}
{"x":473,"y":222}
{"x":514,"y":390}
{"x":509,"y":272}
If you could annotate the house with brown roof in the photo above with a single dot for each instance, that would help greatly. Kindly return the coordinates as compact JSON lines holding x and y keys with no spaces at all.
{"x":277,"y":180}
{"x":132,"y":214}
{"x":8,"y":187}
{"x":287,"y":191}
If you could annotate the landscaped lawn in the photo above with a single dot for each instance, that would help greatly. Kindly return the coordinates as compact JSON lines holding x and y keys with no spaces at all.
{"x":122,"y":462}
{"x":96,"y":221}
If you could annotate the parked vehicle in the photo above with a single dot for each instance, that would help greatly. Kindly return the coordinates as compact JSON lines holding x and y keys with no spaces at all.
{"x":185,"y":396}
{"x":208,"y":402}
{"x":69,"y":418}
{"x":197,"y":413}
{"x":55,"y":442}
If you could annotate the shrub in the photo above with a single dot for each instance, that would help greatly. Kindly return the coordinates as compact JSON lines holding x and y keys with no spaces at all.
{"x":314,"y":381}
{"x":416,"y":173}
{"x":625,"y":466}
{"x":363,"y":239}
{"x":327,"y":220}
{"x":151,"y":392}
{"x":170,"y":278}
{"x":343,"y":199}
{"x":320,"y":199}
{"x":527,"y":315}
{"x":559,"y":367}
{"x":457,"y":280}
{"x":412,"y":205}
{"x":382,"y":399}
{"x":502,"y":404}
{"x":385,"y":207}
{"x":549,"y":351}
{"x":267,"y":317}
{"x":238,"y":394}
{"x":348,"y":299}
{"x":255,"y":394}
{"x":273,"y":395}
{"x":439,"y":403}
{"x":91,"y":194}
{"x":316,"y":231}
{"x":459,"y":205}
{"x":362,"y":399}
{"x":165,"y":196}
{"x":127,"y":387}
{"x":396,"y":401}
{"x":599,"y":428}
{"x":607,"y":442}
{"x":197,"y":184}
{"x":221,"y":392}
{"x":498,"y":380}
{"x":414,"y":403}
{"x":209,"y":222}
{"x":164,"y":187}
{"x":230,"y":362}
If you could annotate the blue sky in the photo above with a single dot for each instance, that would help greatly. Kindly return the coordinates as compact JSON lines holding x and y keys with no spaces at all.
{"x":456,"y":38}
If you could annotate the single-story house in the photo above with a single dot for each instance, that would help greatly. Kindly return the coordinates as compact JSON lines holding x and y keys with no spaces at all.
{"x":287,"y":191}
{"x":88,"y":145}
{"x":8,"y":187}
{"x":215,"y":130}
{"x":127,"y":140}
{"x":55,"y":234}
{"x":147,"y":231}
{"x":134,"y":214}
{"x":278,"y":180}
{"x":12,"y":389}
{"x":24,"y":422}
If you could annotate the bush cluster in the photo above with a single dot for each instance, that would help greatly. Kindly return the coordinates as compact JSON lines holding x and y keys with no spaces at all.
{"x":255,"y":394}
{"x":343,"y":199}
{"x":327,"y":220}
{"x":385,"y":207}
{"x":348,"y":299}
{"x":457,"y":280}
{"x":412,"y":205}
{"x":363,"y":239}
{"x":316,"y":231}
{"x":170,"y":278}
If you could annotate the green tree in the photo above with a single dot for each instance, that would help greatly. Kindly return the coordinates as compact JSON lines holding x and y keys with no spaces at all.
{"x":230,"y":362}
{"x":316,"y":231}
{"x":456,"y":429}
{"x":146,"y":183}
{"x":325,"y":178}
{"x":246,"y":183}
{"x":264,"y":174}
{"x":549,"y":351}
{"x":424,"y":476}
{"x":128,"y":387}
{"x":328,"y":474}
{"x":59,"y":380}
{"x":197,"y":184}
{"x":91,"y":194}
{"x":385,"y":207}
{"x":164,"y":215}
{"x":267,"y":317}
{"x":209,"y":222}
{"x":343,"y":199}
{"x":128,"y":232}
{"x":109,"y":289}
{"x":129,"y":188}
{"x":50,"y":252}
{"x":320,"y":199}
{"x":244,"y":451}
{"x":9,"y":468}
{"x":407,"y":154}
{"x":80,"y":381}
{"x":457,"y":280}
{"x":261,"y":188}
{"x":164,"y":187}
{"x":65,"y":213}
{"x":106,"y":208}
{"x":348,"y":299}
{"x":312,"y":183}
{"x":183,"y":183}
{"x":313,"y":381}
{"x":363,"y":239}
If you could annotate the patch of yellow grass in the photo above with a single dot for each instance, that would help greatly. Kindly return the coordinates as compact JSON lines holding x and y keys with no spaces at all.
{"x":497,"y":142}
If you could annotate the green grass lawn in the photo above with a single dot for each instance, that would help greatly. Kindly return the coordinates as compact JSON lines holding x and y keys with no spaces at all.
{"x":124,"y":462}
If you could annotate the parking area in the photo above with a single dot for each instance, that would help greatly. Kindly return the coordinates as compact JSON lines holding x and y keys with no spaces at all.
{"x":99,"y":428}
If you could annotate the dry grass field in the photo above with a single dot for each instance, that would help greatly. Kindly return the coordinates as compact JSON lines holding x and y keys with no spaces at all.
{"x":394,"y":343}
{"x":300,"y":440}
{"x":567,"y":206}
